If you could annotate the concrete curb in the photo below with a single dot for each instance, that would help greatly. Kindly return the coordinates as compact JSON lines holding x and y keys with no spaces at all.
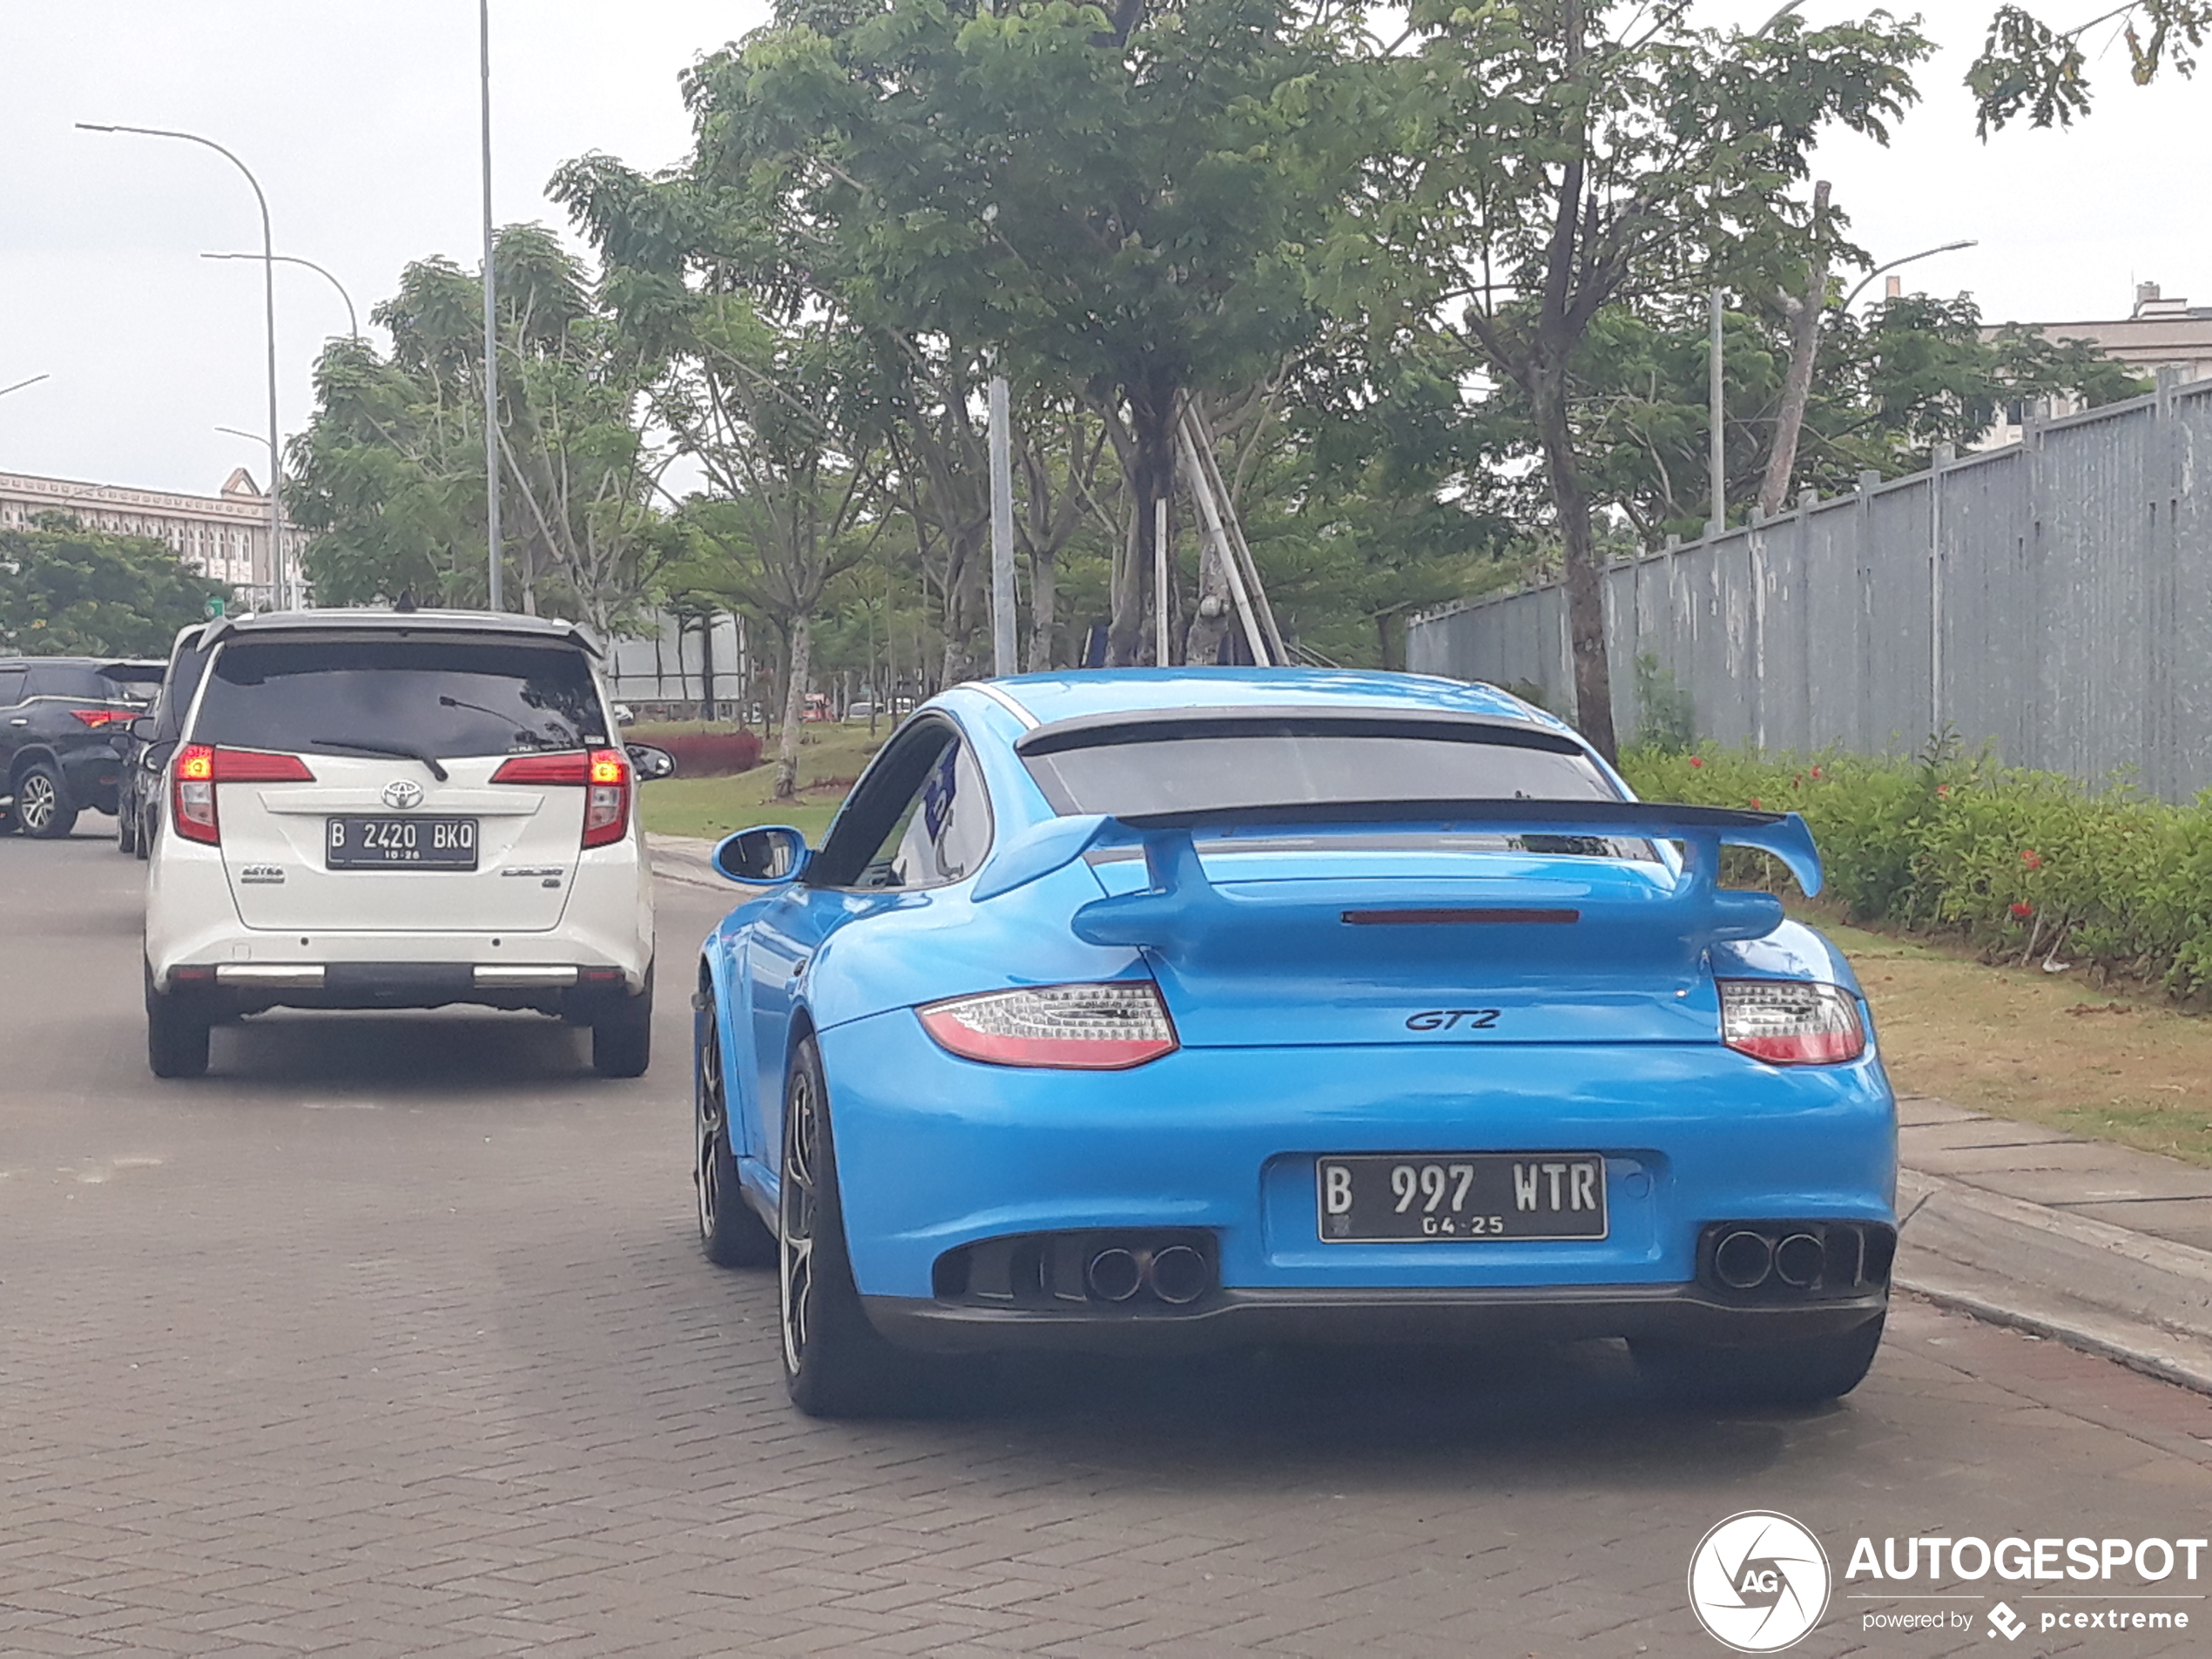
{"x":685,"y":858}
{"x":2142,"y":1300}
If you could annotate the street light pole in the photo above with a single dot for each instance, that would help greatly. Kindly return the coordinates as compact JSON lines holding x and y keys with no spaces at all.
{"x":1925,"y":252}
{"x":352,"y":317}
{"x":491,"y":316}
{"x":285,"y":589}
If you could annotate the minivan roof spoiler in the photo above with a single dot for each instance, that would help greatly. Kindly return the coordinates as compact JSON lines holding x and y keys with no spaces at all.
{"x":545,"y":628}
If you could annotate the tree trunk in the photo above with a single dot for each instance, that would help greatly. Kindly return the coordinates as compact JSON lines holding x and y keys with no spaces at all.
{"x":706,"y":668}
{"x":1152,"y":416}
{"x":1796,"y":388}
{"x":1044,"y":577}
{"x":1585,"y":590}
{"x":794,"y":707}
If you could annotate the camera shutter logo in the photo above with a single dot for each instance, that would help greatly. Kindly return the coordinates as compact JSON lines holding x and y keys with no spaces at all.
{"x":402,"y":793}
{"x":1758,"y":1581}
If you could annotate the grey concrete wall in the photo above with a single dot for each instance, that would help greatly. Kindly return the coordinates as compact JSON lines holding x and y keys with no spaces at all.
{"x":2052,"y":598}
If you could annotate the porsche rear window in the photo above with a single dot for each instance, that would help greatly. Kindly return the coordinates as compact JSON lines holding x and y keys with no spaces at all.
{"x":1209,"y":772}
{"x":447,"y":697}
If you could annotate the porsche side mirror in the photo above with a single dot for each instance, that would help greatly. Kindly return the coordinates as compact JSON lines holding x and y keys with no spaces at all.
{"x":769,"y":855}
{"x":650,"y":762}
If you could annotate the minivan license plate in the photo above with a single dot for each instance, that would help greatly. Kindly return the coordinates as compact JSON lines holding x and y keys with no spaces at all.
{"x":1429,"y":1196}
{"x":401,"y":844}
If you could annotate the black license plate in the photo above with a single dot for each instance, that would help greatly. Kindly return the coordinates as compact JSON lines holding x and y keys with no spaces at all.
{"x":1388,"y":1198}
{"x":400,"y":843}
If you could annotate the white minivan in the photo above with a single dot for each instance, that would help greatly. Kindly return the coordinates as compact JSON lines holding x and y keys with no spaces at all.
{"x":400,"y":810}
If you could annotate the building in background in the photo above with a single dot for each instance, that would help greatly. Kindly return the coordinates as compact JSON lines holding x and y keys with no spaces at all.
{"x":224,"y":536}
{"x":2159,"y":333}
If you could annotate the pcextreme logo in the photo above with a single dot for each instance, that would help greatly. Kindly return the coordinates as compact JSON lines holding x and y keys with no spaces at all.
{"x":1758,"y":1581}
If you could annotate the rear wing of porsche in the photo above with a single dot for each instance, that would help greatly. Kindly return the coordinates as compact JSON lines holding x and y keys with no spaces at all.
{"x":1180,"y":905}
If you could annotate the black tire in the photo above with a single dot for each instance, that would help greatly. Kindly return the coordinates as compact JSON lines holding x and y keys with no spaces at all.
{"x":126,"y":829}
{"x":730,"y":1233}
{"x":41,"y":803}
{"x":622,"y":1037}
{"x":835,"y":1364}
{"x":1811,"y":1372}
{"x":142,"y":843}
{"x":176,"y":1034}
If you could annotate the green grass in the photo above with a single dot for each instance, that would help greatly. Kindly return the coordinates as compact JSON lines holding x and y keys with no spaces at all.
{"x":830,"y":758}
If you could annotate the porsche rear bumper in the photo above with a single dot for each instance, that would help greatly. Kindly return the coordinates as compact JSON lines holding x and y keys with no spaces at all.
{"x":1443,"y":1318}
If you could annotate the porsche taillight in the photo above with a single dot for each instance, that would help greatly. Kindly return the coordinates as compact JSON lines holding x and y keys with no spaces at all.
{"x":1791,"y":1022}
{"x":200,"y":766}
{"x":1076,"y":1027}
{"x":604,"y":774}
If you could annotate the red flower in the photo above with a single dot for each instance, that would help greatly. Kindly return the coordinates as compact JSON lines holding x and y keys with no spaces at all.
{"x":1696,"y":760}
{"x":1815,"y":774}
{"x":2032,"y":859}
{"x":2023,"y":911}
{"x":1943,"y":789}
{"x":1755,"y":805}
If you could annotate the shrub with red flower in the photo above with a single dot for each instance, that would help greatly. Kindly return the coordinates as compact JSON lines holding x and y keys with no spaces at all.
{"x":2023,"y":911}
{"x":2032,"y":859}
{"x":1698,"y":761}
{"x":1755,"y":805}
{"x":1815,"y":774}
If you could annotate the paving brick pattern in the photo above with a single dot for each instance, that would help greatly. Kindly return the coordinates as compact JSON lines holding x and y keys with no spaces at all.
{"x":391,"y":1337}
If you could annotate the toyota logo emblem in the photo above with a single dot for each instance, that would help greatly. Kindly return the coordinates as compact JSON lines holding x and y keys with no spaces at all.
{"x":402,"y":795}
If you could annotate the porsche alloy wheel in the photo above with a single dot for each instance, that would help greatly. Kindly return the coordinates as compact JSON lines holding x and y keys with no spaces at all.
{"x":730,"y":1233}
{"x":798,"y":1212}
{"x":834,"y":1363}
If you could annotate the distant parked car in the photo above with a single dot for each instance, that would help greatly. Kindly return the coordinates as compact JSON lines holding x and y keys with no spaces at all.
{"x":864,"y":710}
{"x":60,"y":718}
{"x":137,"y":794}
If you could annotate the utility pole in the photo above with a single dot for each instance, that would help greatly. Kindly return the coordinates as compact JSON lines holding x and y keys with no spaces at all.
{"x":491,"y":317}
{"x":1716,"y":414}
{"x":1003,"y":660}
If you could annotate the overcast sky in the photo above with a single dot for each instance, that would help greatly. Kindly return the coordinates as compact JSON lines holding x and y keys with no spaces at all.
{"x":361,"y":121}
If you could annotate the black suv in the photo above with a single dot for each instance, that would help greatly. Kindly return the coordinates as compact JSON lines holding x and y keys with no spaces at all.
{"x":60,"y":720}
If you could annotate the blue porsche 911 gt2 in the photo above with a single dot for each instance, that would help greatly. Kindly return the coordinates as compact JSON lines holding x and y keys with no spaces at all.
{"x":1149,"y":1010}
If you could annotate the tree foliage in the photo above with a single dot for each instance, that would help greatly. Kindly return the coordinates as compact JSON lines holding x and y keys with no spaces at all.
{"x":69,"y":591}
{"x":2028,"y":68}
{"x":391,"y":472}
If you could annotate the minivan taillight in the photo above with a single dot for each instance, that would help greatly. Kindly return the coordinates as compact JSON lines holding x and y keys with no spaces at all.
{"x":1791,"y":1022}
{"x":604,"y":774}
{"x":200,"y":766}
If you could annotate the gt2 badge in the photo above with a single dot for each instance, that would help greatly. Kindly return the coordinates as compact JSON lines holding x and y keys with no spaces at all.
{"x":1446,"y":1019}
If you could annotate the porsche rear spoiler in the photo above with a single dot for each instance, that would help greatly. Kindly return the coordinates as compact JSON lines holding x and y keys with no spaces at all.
{"x":1182,"y":904}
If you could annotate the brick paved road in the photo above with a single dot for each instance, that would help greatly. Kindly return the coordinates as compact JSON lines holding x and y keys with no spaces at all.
{"x":391,"y":1336}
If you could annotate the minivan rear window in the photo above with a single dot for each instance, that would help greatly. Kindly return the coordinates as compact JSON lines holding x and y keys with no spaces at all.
{"x":443,"y":698}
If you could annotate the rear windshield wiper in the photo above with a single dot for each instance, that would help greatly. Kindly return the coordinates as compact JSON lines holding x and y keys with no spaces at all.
{"x":399,"y":750}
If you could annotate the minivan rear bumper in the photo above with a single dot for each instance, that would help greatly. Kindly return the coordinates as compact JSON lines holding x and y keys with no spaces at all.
{"x":242,"y":987}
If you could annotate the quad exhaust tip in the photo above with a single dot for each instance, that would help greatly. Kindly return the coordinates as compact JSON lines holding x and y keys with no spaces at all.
{"x":1798,"y":1260}
{"x":1114,"y":1275}
{"x":1178,"y":1275}
{"x":1743,"y":1259}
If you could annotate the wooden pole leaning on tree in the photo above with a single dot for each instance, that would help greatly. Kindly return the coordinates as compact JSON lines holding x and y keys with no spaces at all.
{"x":1222,"y":553}
{"x":1243,"y":572}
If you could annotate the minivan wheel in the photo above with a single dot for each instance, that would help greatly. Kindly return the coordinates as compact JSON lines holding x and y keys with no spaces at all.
{"x":176,"y":1034}
{"x":622,"y":1037}
{"x":42,"y":806}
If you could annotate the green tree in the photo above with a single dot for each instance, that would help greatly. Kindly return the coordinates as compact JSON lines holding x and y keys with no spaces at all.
{"x":391,"y":471}
{"x":1117,"y":206}
{"x":67,"y":591}
{"x":2028,"y":68}
{"x":1556,"y":158}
